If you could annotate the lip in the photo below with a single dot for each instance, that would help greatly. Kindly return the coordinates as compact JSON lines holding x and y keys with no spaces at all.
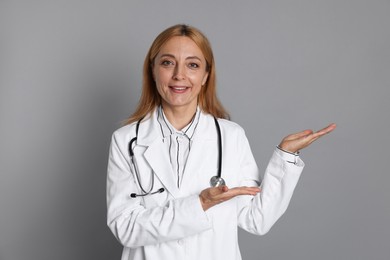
{"x":179,"y":89}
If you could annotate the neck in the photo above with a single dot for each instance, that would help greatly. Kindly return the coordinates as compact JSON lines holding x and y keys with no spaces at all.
{"x":179,"y":117}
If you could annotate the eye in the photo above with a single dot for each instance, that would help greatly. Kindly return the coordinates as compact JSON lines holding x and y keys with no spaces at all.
{"x":193,"y":65}
{"x":166,"y":63}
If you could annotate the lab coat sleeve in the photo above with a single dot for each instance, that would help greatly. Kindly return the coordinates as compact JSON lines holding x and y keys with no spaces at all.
{"x":259,"y":213}
{"x":133,"y":224}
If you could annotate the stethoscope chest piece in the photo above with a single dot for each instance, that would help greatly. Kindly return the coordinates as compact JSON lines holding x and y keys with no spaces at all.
{"x":216,"y":181}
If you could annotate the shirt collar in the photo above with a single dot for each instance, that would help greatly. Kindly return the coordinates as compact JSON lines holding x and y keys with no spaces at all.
{"x":167,"y":129}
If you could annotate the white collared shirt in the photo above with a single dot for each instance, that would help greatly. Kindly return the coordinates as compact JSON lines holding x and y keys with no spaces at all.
{"x":177,"y":142}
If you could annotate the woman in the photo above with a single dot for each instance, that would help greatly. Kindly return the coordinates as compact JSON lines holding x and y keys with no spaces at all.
{"x":160,"y":203}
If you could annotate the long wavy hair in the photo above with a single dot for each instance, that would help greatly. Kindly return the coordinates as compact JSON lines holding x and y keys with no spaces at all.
{"x":150,"y":98}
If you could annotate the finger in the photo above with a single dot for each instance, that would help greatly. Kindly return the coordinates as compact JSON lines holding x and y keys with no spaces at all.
{"x":313,"y":137}
{"x":299,"y":134}
{"x":231,"y":193}
{"x":215,"y":191}
{"x":308,"y":132}
{"x":329,"y":128}
{"x":245,"y":188}
{"x":244,"y":191}
{"x":325,"y":130}
{"x":224,"y":188}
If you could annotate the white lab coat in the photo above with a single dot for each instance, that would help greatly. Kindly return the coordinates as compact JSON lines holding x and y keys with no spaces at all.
{"x":172,"y":224}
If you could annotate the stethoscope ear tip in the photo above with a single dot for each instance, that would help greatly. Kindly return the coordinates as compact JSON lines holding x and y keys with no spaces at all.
{"x":134,"y":195}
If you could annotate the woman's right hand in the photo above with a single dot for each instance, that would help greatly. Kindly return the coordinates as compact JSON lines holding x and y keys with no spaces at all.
{"x":212,"y":196}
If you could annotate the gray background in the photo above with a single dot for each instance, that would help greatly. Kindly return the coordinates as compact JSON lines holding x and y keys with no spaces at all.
{"x":70,"y":71}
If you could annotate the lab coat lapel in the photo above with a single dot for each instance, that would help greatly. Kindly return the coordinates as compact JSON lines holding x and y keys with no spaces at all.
{"x":156,"y":154}
{"x":205,"y":137}
{"x":158,"y":159}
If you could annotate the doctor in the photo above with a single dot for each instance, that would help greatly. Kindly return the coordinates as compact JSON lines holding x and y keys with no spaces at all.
{"x":160,"y":202}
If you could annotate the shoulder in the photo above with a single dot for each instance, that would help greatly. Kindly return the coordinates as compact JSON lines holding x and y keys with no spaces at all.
{"x":230,"y":127}
{"x":128,"y":131}
{"x":225,"y":124}
{"x":123,"y":134}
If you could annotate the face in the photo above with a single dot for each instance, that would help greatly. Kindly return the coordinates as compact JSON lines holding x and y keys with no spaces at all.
{"x":179,"y":71}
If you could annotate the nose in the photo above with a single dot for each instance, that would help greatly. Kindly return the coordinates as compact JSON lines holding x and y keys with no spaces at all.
{"x":179,"y":73}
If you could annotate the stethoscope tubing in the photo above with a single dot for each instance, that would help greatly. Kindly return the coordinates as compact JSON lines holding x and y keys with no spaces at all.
{"x":219,"y":173}
{"x":214,"y":181}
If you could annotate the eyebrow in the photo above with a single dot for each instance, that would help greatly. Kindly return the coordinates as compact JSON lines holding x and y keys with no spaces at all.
{"x":173,"y":56}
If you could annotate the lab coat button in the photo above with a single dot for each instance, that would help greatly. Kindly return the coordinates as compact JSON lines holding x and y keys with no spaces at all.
{"x":180,"y":242}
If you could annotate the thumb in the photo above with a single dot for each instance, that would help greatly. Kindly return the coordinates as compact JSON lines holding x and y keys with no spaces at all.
{"x":223,"y":188}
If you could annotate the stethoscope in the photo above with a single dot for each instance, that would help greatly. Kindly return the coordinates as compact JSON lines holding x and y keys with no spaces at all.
{"x":215,"y":181}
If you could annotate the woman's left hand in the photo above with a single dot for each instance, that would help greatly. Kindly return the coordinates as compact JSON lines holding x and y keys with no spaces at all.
{"x":295,"y":142}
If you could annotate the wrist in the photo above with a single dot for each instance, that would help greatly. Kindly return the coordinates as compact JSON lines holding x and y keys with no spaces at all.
{"x":287,"y":150}
{"x":287,"y":156}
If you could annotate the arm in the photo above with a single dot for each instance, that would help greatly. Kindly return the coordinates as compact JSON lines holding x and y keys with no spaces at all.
{"x":258,"y":215}
{"x":258,"y":212}
{"x":135,"y":225}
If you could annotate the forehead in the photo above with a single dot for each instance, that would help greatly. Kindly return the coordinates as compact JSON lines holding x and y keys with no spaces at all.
{"x":181,"y":46}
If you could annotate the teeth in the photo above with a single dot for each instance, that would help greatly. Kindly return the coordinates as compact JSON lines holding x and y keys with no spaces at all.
{"x":179,"y":88}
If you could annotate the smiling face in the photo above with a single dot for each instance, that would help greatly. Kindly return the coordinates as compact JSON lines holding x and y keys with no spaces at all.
{"x":179,"y":71}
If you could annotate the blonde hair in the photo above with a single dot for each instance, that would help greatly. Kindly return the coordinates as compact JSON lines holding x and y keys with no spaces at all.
{"x":150,"y":98}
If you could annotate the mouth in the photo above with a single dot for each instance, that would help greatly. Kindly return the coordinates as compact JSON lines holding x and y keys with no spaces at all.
{"x":179,"y":89}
